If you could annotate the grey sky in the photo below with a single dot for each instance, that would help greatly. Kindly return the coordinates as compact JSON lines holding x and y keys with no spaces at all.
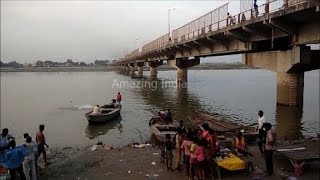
{"x":85,"y":31}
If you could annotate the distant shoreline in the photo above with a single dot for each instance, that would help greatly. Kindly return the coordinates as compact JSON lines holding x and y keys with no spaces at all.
{"x":204,"y":66}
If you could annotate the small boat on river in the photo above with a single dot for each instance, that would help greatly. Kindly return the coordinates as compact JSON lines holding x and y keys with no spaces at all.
{"x":136,"y":77}
{"x":223,"y":127}
{"x":160,"y":128}
{"x":108,"y":113}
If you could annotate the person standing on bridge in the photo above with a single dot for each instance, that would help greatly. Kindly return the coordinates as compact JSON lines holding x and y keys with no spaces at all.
{"x":255,"y":6}
{"x":266,"y":7}
{"x":261,"y":131}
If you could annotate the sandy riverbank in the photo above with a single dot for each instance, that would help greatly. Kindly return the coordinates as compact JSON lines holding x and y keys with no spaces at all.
{"x":58,"y":69}
{"x":133,"y":163}
{"x":204,"y":66}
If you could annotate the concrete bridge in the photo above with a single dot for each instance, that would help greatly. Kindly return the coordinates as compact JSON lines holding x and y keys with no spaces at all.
{"x":274,"y":37}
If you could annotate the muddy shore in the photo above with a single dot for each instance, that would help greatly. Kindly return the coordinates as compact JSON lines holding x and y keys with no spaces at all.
{"x":134,"y":163}
{"x":204,"y":66}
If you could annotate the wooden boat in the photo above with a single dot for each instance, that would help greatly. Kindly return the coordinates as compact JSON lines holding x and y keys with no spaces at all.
{"x":223,"y":127}
{"x":159,"y":128}
{"x":136,"y":77}
{"x":108,"y":112}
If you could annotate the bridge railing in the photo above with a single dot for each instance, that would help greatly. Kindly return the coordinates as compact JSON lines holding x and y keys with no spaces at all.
{"x":211,"y":21}
{"x":156,"y":44}
{"x":266,"y":8}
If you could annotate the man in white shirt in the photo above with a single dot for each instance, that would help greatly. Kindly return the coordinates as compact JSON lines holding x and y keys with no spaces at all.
{"x":96,"y":110}
{"x":29,"y":162}
{"x":261,"y":121}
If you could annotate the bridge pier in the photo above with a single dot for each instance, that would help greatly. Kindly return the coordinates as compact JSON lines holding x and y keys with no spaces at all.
{"x":126,"y":69}
{"x":132,"y":69}
{"x":182,"y":66}
{"x":290,"y":89}
{"x":140,"y":68}
{"x":182,"y":75}
{"x":290,"y":66}
{"x":153,"y":68}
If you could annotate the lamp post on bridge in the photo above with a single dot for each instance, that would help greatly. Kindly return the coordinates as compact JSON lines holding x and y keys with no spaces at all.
{"x":134,"y":43}
{"x":169,"y":10}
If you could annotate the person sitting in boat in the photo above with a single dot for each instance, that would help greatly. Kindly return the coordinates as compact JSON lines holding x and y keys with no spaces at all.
{"x":114,"y":103}
{"x":118,"y":106}
{"x":162,"y":115}
{"x":182,"y":127}
{"x":96,"y":110}
{"x":239,"y":141}
{"x":240,"y":144}
{"x":168,"y":116}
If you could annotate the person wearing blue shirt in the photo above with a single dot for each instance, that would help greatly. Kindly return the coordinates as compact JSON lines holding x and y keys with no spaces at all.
{"x":4,"y":139}
{"x":13,"y":159}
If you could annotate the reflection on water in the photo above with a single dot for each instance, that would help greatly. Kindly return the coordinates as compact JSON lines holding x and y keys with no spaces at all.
{"x":182,"y":102}
{"x":96,"y":130}
{"x":288,"y":122}
{"x":177,"y":98}
{"x":235,"y":95}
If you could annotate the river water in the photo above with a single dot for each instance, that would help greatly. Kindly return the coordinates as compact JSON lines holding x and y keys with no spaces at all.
{"x":60,"y":99}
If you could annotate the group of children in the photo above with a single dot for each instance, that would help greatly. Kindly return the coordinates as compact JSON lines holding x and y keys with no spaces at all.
{"x":22,"y":159}
{"x":198,"y":149}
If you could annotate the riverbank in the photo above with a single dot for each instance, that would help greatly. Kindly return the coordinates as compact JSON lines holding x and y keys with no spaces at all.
{"x":204,"y":66}
{"x":134,"y":163}
{"x":59,"y":69}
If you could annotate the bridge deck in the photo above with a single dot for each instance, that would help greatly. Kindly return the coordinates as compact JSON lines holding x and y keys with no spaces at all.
{"x":280,"y":28}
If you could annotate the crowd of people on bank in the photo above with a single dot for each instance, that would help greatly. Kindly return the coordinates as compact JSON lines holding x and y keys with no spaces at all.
{"x":22,"y":159}
{"x":199,"y":148}
{"x":194,"y":150}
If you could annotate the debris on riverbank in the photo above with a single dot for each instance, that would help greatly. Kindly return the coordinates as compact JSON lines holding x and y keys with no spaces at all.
{"x":140,"y":163}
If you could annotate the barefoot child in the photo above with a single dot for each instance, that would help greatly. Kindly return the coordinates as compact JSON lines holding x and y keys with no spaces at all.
{"x":168,"y":144}
{"x":186,"y":145}
{"x":193,"y":158}
{"x":200,"y":159}
{"x":162,"y":153}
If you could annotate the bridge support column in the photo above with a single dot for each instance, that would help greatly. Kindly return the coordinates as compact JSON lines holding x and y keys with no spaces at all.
{"x":126,"y":69}
{"x":182,"y":66}
{"x":290,"y":89}
{"x":290,"y":66}
{"x":132,"y":69}
{"x":153,"y":68}
{"x":140,"y":68}
{"x":140,"y":71}
{"x":153,"y":72}
{"x":182,"y":75}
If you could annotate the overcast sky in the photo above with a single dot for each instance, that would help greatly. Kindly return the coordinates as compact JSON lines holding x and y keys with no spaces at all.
{"x":85,"y":31}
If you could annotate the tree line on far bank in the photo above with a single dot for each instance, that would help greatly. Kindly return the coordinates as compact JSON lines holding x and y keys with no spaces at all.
{"x":68,"y":63}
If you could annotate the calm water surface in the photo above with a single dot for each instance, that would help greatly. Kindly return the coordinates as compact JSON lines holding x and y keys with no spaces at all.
{"x":60,"y":99}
